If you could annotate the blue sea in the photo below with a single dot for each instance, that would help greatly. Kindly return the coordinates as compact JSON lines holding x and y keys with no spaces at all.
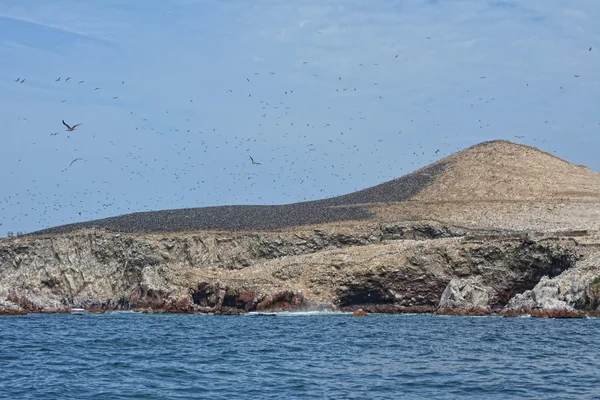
{"x":297,"y":356}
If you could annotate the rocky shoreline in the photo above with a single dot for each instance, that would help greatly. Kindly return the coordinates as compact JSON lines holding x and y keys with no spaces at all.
{"x":561,"y":314}
{"x":402,"y":267}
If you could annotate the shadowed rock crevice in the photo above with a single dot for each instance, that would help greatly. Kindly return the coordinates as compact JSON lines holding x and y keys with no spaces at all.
{"x":361,"y":295}
{"x":532,"y":262}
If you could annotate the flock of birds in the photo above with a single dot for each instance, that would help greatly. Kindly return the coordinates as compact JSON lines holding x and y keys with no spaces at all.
{"x":283,"y":168}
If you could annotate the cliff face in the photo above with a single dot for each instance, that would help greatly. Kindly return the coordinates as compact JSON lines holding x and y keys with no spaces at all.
{"x":107,"y":270}
{"x":412,"y":265}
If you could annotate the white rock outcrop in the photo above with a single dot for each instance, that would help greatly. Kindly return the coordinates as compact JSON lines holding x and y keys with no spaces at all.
{"x":466,"y":293}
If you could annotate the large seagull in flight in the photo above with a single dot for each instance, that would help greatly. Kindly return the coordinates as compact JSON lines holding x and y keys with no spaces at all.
{"x":70,"y":128}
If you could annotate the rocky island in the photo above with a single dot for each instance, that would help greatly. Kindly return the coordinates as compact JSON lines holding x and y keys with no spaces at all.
{"x":495,"y":228}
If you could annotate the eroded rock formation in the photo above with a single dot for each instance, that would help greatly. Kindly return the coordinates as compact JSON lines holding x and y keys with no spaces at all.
{"x":378,"y":268}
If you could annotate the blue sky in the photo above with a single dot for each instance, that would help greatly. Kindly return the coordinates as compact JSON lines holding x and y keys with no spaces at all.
{"x":329,"y":96}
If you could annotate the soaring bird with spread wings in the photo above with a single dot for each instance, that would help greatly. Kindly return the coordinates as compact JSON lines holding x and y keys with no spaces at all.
{"x":73,"y":162}
{"x":254,"y":162}
{"x":70,"y":128}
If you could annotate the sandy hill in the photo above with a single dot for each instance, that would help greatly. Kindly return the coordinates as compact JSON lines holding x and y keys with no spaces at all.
{"x":501,"y":170}
{"x":490,"y":172}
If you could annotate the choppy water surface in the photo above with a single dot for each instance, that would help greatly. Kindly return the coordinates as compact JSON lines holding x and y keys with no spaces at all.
{"x":127,"y":356}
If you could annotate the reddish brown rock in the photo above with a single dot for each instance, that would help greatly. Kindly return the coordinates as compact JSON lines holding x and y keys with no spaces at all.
{"x":13,"y":312}
{"x":473,"y":312}
{"x":284,"y":300}
{"x":394,"y":309}
{"x":556,"y":313}
{"x":229,"y":311}
{"x":359,"y":313}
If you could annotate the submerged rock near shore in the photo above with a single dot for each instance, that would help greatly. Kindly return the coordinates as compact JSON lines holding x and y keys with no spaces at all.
{"x":498,"y":227}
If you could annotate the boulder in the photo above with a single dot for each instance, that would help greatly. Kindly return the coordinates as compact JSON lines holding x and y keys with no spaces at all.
{"x":463,"y":294}
{"x":359,"y":313}
{"x":546,"y":295}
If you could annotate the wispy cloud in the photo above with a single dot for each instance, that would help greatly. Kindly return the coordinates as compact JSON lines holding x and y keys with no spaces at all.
{"x":31,"y":24}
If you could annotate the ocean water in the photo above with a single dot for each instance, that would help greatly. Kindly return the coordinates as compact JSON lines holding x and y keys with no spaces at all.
{"x":139,"y":356}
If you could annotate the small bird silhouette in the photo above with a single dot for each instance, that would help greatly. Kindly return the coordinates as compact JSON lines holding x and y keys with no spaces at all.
{"x":254,"y":162}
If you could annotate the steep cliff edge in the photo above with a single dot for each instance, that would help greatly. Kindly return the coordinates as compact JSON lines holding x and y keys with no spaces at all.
{"x":496,"y":227}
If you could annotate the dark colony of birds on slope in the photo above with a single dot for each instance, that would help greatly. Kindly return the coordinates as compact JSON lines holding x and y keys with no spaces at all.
{"x":352,"y":206}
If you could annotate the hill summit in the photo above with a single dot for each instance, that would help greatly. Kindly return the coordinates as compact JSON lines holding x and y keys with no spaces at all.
{"x":502,"y":170}
{"x":493,"y":171}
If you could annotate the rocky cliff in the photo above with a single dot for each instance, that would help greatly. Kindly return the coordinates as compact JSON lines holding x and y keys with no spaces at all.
{"x":538,"y":253}
{"x":423,"y":266}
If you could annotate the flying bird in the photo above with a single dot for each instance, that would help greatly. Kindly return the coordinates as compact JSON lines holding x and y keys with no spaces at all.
{"x":254,"y":162}
{"x":72,"y":162}
{"x":70,"y":128}
{"x":58,"y":79}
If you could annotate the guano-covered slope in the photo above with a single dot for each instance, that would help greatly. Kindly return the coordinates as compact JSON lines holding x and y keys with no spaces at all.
{"x":487,"y":172}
